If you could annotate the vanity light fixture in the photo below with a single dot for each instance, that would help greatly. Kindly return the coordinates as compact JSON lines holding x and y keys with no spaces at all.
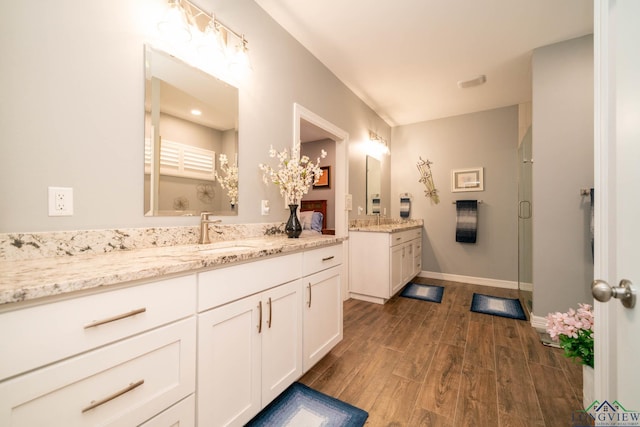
{"x":380,"y":144}
{"x":175,"y":24}
{"x":184,"y":22}
{"x":196,"y":112}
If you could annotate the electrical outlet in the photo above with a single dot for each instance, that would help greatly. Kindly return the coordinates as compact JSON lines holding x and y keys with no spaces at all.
{"x":60,"y":201}
{"x":264,"y":207}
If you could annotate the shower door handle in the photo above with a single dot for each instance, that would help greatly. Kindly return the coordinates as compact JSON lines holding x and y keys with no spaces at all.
{"x":521,"y":205}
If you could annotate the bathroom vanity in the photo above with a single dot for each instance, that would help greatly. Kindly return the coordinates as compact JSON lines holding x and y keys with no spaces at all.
{"x":383,"y":258}
{"x":182,"y":335}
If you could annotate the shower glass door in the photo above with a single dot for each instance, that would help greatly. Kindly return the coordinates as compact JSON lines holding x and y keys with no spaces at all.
{"x":525,"y":247}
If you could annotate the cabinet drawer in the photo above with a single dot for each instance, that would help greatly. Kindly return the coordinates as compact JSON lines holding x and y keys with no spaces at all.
{"x":122,"y":384}
{"x":50,"y":332}
{"x":217,"y":287}
{"x":404,"y":236}
{"x":182,"y":414}
{"x":321,"y":259}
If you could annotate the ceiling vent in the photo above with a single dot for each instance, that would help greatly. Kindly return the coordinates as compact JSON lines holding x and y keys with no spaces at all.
{"x":476,"y":81}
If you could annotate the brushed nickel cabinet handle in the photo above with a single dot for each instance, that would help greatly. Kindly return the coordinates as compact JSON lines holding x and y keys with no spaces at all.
{"x":328,"y":258}
{"x":270,"y":312}
{"x":94,"y":404}
{"x":260,"y":317}
{"x":309,"y":294}
{"x":115,"y":318}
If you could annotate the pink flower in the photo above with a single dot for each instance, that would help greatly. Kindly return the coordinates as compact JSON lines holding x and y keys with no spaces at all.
{"x":574,"y":331}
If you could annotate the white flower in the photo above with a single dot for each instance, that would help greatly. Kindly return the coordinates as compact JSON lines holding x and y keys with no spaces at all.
{"x":230,"y":181}
{"x":294,"y":174}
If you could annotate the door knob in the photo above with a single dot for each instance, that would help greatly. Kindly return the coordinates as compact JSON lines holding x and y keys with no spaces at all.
{"x":626,"y":292}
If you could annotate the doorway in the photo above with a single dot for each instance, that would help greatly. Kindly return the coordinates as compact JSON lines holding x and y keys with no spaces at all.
{"x":308,"y":126}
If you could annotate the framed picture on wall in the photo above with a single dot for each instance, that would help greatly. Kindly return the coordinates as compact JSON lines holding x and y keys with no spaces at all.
{"x":470,"y":179}
{"x":325,"y":179}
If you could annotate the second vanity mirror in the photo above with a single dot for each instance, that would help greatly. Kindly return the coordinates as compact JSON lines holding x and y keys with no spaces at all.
{"x":374,"y":178}
{"x":190,"y":138}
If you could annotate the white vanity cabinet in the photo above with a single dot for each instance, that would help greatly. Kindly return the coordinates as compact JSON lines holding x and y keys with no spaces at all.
{"x":115,"y":358}
{"x":249,"y":338}
{"x":382,"y":263}
{"x":210,"y":348}
{"x":322,"y":311}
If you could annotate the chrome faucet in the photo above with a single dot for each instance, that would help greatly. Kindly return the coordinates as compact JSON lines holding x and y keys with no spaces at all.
{"x":204,"y":227}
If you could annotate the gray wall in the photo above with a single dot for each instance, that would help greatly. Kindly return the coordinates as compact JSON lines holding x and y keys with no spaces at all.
{"x":486,"y":139}
{"x":72,"y":112}
{"x":563,"y":164}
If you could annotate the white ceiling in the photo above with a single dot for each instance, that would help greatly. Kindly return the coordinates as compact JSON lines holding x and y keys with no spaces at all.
{"x":405,"y":57}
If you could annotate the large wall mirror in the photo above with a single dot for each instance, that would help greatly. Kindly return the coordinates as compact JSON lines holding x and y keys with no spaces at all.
{"x":374,"y":185}
{"x":191,"y":139}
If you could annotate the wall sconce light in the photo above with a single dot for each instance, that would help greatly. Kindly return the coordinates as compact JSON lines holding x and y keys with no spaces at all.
{"x":215,"y":43}
{"x":378,"y":143}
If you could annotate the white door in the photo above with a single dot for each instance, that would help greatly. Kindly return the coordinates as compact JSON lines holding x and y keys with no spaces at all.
{"x":617,"y":185}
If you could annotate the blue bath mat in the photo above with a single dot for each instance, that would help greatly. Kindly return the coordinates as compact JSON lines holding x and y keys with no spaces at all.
{"x":430,"y":293}
{"x":497,"y":306}
{"x":300,"y":405}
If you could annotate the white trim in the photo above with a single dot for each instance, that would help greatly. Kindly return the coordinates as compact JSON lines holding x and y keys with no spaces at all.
{"x":526,"y":286}
{"x":605,"y":361}
{"x":341,"y":178}
{"x":367,"y":298}
{"x":483,"y":281}
{"x":539,"y":323}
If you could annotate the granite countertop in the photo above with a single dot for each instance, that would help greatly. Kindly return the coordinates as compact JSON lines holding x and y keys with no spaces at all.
{"x":25,"y":280}
{"x":388,"y":228}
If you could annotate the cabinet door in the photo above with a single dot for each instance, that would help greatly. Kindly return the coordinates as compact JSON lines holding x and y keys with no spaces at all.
{"x":229,"y":363}
{"x":417,"y":256}
{"x":322,"y":315}
{"x":396,"y":269}
{"x":281,"y":339}
{"x":407,"y":263}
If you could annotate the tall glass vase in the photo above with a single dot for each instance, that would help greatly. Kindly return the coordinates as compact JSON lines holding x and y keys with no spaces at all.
{"x":293,"y":228}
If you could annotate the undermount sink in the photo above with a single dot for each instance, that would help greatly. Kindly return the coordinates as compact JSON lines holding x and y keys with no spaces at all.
{"x":225,"y":248}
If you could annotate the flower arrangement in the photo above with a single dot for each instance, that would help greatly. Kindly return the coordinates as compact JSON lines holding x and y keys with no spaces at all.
{"x":574,"y":332}
{"x":228,"y":182}
{"x":294,"y":173}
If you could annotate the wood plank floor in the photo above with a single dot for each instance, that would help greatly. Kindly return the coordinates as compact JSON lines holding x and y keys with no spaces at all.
{"x":417,"y":363}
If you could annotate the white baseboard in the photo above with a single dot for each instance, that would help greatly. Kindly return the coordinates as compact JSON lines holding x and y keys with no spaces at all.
{"x":367,"y":298}
{"x":526,"y":286}
{"x":483,"y":281}
{"x":539,"y":323}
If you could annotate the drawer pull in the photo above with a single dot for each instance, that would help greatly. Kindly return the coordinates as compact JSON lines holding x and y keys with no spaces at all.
{"x":270,"y":310}
{"x":398,"y":238}
{"x":260,"y":317}
{"x":309,"y":294}
{"x":329,"y":258}
{"x":114,"y":318}
{"x":100,"y":402}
